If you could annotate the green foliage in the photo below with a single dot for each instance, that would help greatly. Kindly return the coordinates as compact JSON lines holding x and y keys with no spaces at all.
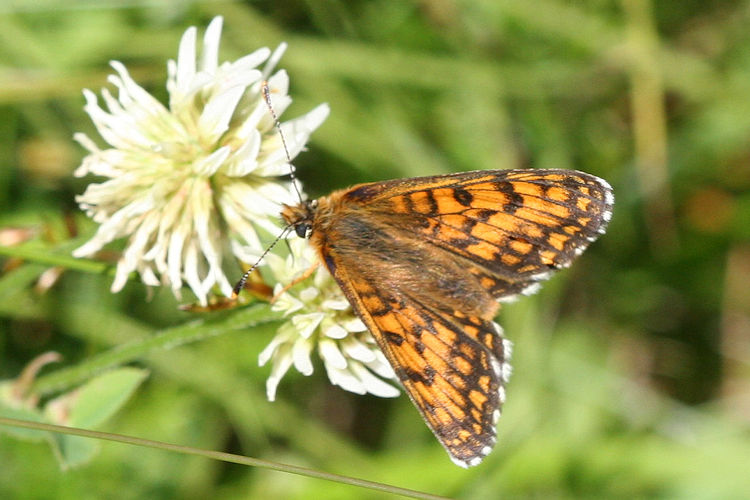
{"x":630,"y":369}
{"x":87,"y":407}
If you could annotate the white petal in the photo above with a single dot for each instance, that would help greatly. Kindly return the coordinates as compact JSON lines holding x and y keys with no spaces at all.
{"x":174,"y":256}
{"x":231,"y":76}
{"x":285,"y":333}
{"x":204,"y":222}
{"x":207,"y":166}
{"x":309,"y":294}
{"x":330,"y":354}
{"x":334,"y":331}
{"x":271,"y":194}
{"x":86,"y":142}
{"x":281,"y":365}
{"x":113,"y":105}
{"x":337,"y":304}
{"x":250,"y":61}
{"x":214,"y":120}
{"x":186,"y":60}
{"x":345,"y":380}
{"x":287,"y":303}
{"x":245,"y":253}
{"x":121,"y":276}
{"x":240,"y":192}
{"x":146,"y":102}
{"x":116,"y":131}
{"x":274,"y":59}
{"x":307,"y":323}
{"x":297,"y":132}
{"x":278,"y":85}
{"x":252,"y":118}
{"x":355,"y":349}
{"x":373,"y":384}
{"x":299,"y":129}
{"x":278,"y":268}
{"x":170,"y":215}
{"x":136,"y":246}
{"x":381,"y":366}
{"x":245,"y":159}
{"x":192,"y":273}
{"x":114,"y":227}
{"x":148,"y":276}
{"x":211,"y":39}
{"x":301,"y":356}
{"x":354,"y":325}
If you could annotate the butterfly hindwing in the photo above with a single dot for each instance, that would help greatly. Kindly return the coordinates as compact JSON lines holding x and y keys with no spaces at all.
{"x":452,"y":366}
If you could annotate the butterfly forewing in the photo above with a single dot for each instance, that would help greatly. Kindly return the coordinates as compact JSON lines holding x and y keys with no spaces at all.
{"x":423,"y":262}
{"x":513,"y":226}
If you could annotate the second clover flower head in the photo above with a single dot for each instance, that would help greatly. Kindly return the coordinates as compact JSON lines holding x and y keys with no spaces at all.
{"x":190,"y":184}
{"x":318,"y":317}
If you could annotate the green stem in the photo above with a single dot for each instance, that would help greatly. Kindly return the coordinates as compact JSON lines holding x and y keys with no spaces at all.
{"x":225,"y":457}
{"x":58,"y":255}
{"x":164,"y":339}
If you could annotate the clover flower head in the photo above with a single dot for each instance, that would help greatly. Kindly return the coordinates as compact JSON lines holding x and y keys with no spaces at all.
{"x":190,"y":184}
{"x":320,"y":318}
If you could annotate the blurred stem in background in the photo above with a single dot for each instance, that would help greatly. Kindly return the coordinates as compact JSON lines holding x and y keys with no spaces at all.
{"x":647,"y":104}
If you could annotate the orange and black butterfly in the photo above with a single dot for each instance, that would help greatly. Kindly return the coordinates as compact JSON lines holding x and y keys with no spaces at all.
{"x":424,"y":262}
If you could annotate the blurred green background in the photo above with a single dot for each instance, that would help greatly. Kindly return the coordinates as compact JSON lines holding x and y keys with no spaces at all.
{"x":630,"y":369}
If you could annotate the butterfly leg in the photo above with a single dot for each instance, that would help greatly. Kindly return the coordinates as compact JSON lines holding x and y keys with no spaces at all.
{"x":302,"y":277}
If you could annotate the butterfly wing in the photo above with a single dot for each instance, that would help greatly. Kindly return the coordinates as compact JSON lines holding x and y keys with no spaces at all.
{"x":512,"y":227}
{"x":423,"y":261}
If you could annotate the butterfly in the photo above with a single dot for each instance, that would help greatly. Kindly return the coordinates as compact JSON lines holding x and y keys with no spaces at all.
{"x":424,"y":263}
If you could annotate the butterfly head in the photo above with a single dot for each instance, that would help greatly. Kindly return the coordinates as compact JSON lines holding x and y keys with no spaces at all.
{"x":300,"y":217}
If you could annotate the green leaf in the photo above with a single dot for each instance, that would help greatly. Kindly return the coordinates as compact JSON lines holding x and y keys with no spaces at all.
{"x":73,"y":451}
{"x":88,"y":406}
{"x":101,"y":397}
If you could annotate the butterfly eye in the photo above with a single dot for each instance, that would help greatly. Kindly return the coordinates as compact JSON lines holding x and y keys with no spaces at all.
{"x":303,"y":229}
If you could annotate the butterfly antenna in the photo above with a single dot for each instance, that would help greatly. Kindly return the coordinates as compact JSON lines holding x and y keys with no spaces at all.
{"x":292,"y":170}
{"x":277,"y":124}
{"x":241,"y":283}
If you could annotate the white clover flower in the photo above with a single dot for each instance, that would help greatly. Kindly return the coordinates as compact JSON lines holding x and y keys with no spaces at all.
{"x":190,"y":184}
{"x":319,"y":316}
